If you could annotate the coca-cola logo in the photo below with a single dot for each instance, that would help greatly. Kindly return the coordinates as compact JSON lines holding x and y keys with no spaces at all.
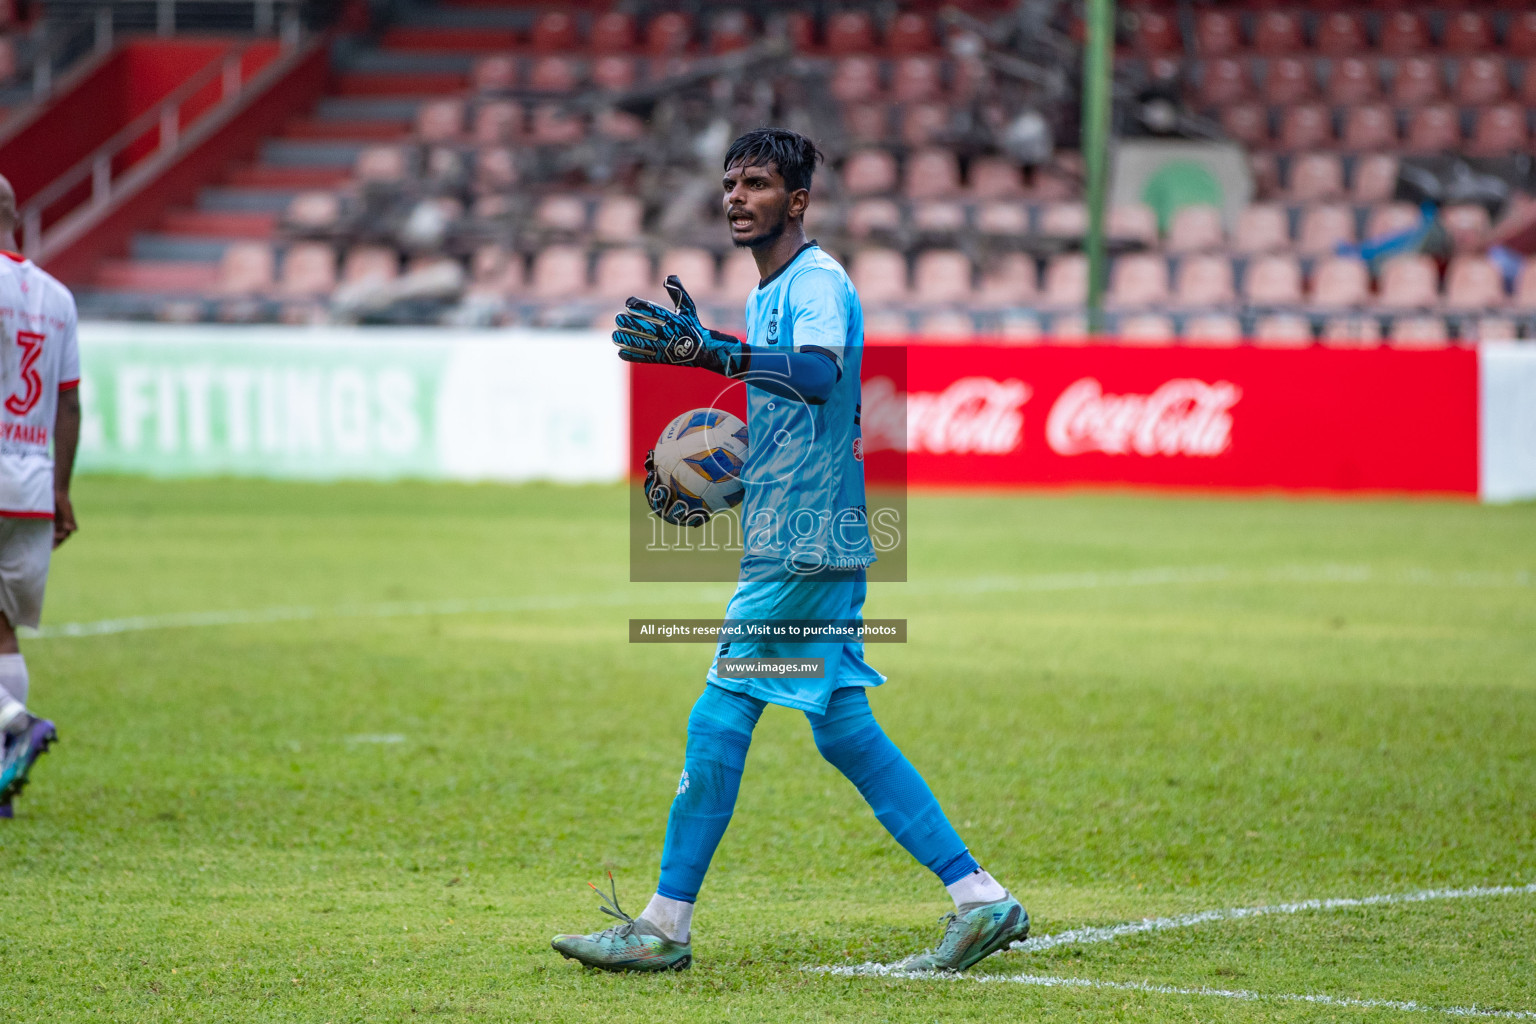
{"x":1182,"y":417}
{"x":972,"y":416}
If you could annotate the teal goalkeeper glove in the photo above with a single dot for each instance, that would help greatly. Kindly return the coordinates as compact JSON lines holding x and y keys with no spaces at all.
{"x":649,"y":333}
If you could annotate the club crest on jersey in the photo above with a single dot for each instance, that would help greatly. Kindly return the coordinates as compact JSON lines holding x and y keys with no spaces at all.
{"x":773,"y":327}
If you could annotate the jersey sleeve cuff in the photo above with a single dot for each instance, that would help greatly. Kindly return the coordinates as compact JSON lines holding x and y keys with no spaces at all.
{"x":69,"y":385}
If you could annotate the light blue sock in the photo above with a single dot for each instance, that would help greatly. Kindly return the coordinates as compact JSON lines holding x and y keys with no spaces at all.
{"x":719,"y":732}
{"x":849,"y":737}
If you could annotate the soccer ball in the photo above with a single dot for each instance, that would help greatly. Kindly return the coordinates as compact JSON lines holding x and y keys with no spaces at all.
{"x":699,"y":456}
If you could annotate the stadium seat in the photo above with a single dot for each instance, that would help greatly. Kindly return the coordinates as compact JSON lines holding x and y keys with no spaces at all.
{"x":1490,"y":328}
{"x":1524,"y":297}
{"x":308,"y":271}
{"x":1069,"y":329}
{"x":1213,"y":330}
{"x":1316,"y":177}
{"x":850,"y":31}
{"x":1247,"y":123}
{"x":1282,"y":330}
{"x":1467,"y":33}
{"x":1371,"y":126}
{"x":375,"y":263}
{"x":923,"y":124}
{"x":246,"y":268}
{"x":1375,"y":178}
{"x":1008,"y":280}
{"x":619,"y":219}
{"x":1261,"y":228}
{"x":1416,"y":81}
{"x":1147,"y":329}
{"x":942,"y":276}
{"x":1520,"y":36}
{"x":694,"y":267}
{"x":938,"y":217}
{"x":552,"y":125}
{"x":1305,"y":127}
{"x":916,"y":80}
{"x":729,"y":29}
{"x":738,"y":276}
{"x":559,"y":272}
{"x":886,"y":322}
{"x":909,"y":32}
{"x":1288,"y":81}
{"x":1273,"y":281}
{"x":1392,"y":219}
{"x":932,"y":174}
{"x":1341,"y":34}
{"x":495,"y":273}
{"x":1203,"y":282}
{"x":1002,"y":220}
{"x":623,"y":272}
{"x":1066,"y":281}
{"x":613,"y":32}
{"x":614,"y":72}
{"x":1339,"y":282}
{"x":880,"y":275}
{"x":1020,"y":328}
{"x":1409,"y":282}
{"x":554,"y":75}
{"x":1433,"y":129}
{"x":1352,"y":80}
{"x":1223,"y":80}
{"x":1278,"y":31}
{"x":493,"y":73}
{"x":1137,"y":281}
{"x":497,"y":122}
{"x":440,"y":120}
{"x":1217,"y":33}
{"x":1526,"y":93}
{"x":1064,"y":220}
{"x":869,"y":172}
{"x":1133,"y":222}
{"x":313,"y":212}
{"x":1196,"y":228}
{"x":1500,"y":131}
{"x":867,"y":123}
{"x":1403,"y":33}
{"x":1481,"y":81}
{"x":1419,"y":332}
{"x":995,"y":178}
{"x":561,"y":213}
{"x":495,"y":170}
{"x":555,"y":32}
{"x":381,"y":164}
{"x":856,"y":79}
{"x":1468,"y":226}
{"x":1353,"y":331}
{"x":870,"y":216}
{"x":1154,"y":32}
{"x":667,"y":34}
{"x":946,"y":325}
{"x":1473,"y":283}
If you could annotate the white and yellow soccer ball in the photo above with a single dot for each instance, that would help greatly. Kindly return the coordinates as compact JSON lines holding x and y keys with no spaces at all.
{"x":700,"y":456}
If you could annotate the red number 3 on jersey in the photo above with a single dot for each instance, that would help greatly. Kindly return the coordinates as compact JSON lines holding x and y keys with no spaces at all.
{"x":31,"y":345}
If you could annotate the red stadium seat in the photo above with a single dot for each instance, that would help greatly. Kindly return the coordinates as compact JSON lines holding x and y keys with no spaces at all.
{"x":1340,"y":282}
{"x":1370,"y":127}
{"x":932,"y":174}
{"x":1403,"y":33}
{"x":1481,"y":81}
{"x":1520,"y":38}
{"x":555,"y":32}
{"x":1316,"y":176}
{"x":923,"y":124}
{"x":1434,"y":129}
{"x":1527,"y":92}
{"x":370,"y":263}
{"x":668,"y":34}
{"x":1525,"y":286}
{"x":1324,"y":228}
{"x":1419,"y":332}
{"x":911,"y":32}
{"x":1392,"y":219}
{"x":495,"y":273}
{"x":996,"y":178}
{"x":613,"y":32}
{"x":619,"y":218}
{"x":1288,"y":80}
{"x":559,"y":272}
{"x":494,"y":72}
{"x":1196,"y":228}
{"x":497,"y":121}
{"x":942,"y":276}
{"x":1409,"y":282}
{"x":309,"y":269}
{"x":880,"y":275}
{"x":1154,"y":32}
{"x":1247,"y":123}
{"x":246,"y":268}
{"x":618,"y":124}
{"x":738,"y":276}
{"x":850,"y":32}
{"x":495,"y":170}
{"x":798,"y":28}
{"x":867,"y":123}
{"x":946,"y":325}
{"x":729,"y":30}
{"x":1009,"y":280}
{"x":312,"y":212}
{"x":856,"y":79}
{"x":1223,"y":80}
{"x":1278,"y":31}
{"x":440,"y":120}
{"x":1341,"y":34}
{"x":614,"y":72}
{"x":871,"y":216}
{"x":1002,"y":219}
{"x":917,"y":79}
{"x":869,"y":172}
{"x":1305,"y":127}
{"x":561,"y":213}
{"x":1261,"y":228}
{"x":1282,"y":330}
{"x":1500,"y":131}
{"x":1375,"y":178}
{"x":1137,"y":281}
{"x":1273,"y":281}
{"x":1490,"y":328}
{"x":622,"y":272}
{"x":1467,"y":33}
{"x":1064,"y":220}
{"x":1468,"y":226}
{"x":1204,"y":281}
{"x":1473,"y":283}
{"x":554,"y":74}
{"x":1352,"y":80}
{"x":938,"y":217}
{"x":1217,"y":33}
{"x":382,"y":164}
{"x":1213,"y":330}
{"x":1416,"y":81}
{"x":694,"y":267}
{"x":1351,"y":332}
{"x":1133,"y":222}
{"x":1147,"y":329}
{"x":553,"y":126}
{"x":1066,"y":281}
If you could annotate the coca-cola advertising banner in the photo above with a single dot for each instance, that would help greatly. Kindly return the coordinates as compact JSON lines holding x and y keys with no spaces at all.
{"x":1249,"y":418}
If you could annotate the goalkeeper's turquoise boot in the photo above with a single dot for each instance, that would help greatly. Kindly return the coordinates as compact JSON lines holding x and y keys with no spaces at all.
{"x":971,"y":934}
{"x":634,"y":945}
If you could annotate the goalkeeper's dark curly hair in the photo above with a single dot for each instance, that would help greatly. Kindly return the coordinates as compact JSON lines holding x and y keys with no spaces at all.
{"x":793,"y":154}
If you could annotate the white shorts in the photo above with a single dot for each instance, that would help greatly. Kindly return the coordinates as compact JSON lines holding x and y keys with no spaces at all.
{"x":25,"y":548}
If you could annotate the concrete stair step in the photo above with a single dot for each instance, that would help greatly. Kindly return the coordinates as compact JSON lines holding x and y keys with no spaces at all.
{"x":157,"y":275}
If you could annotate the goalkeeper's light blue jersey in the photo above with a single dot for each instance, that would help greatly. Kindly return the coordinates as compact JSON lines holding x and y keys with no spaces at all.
{"x":804,"y":506}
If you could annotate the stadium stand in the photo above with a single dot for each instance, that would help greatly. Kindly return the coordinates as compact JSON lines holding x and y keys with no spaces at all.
{"x":550,"y":161}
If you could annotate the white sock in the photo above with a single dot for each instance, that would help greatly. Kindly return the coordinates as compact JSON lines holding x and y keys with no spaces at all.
{"x":976,"y":887}
{"x":673,"y":918}
{"x":13,"y":715}
{"x":13,"y":677}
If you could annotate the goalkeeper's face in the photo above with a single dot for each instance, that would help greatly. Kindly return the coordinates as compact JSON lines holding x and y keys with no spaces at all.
{"x":758,"y":206}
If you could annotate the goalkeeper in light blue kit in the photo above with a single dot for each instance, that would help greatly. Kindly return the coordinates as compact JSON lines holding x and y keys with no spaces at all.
{"x":806,"y":540}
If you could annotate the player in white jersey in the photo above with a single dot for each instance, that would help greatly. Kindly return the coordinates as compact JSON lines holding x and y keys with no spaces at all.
{"x":39,"y":411}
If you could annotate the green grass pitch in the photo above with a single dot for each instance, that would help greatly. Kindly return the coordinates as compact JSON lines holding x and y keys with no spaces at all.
{"x":1131,"y":706}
